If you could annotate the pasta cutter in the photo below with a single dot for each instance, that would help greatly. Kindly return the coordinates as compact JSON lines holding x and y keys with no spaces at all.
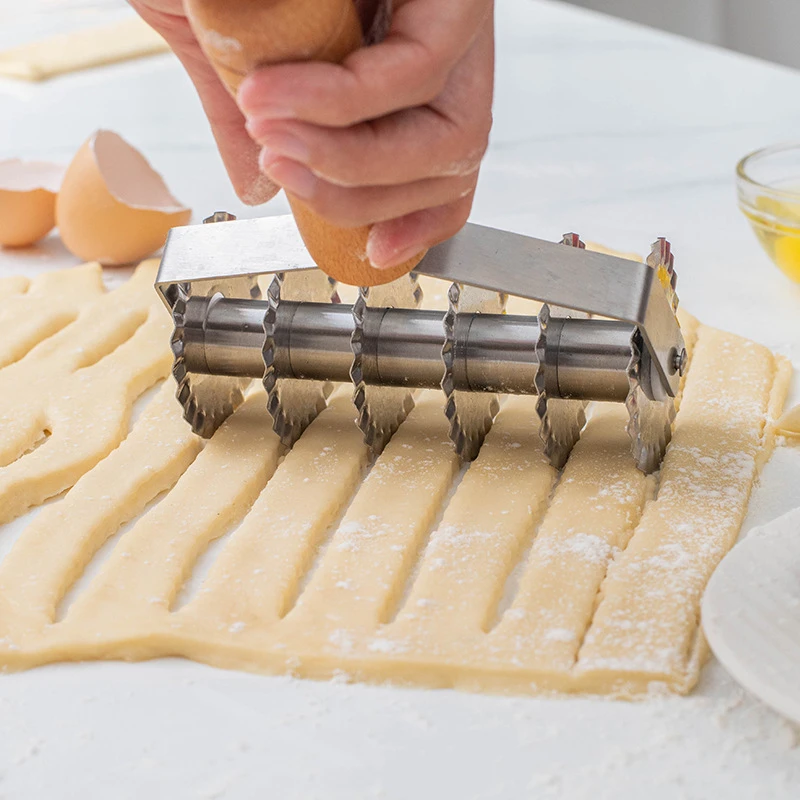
{"x":607,"y":331}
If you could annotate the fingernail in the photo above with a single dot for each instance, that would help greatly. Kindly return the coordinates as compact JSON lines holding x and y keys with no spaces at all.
{"x":284,"y":144}
{"x":293,"y":177}
{"x":382,"y":257}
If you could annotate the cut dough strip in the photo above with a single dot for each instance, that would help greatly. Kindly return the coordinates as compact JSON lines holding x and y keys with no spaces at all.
{"x":145,"y":572}
{"x":646,"y":625}
{"x":257,"y":573}
{"x":592,"y":515}
{"x":51,"y":301}
{"x":56,"y":547}
{"x":642,"y":623}
{"x":115,"y":350}
{"x":363,"y":571}
{"x":483,"y":531}
{"x":83,"y":431}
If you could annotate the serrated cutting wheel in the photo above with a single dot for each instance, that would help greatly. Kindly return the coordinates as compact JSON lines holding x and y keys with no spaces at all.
{"x":632,"y":351}
{"x":470,"y":413}
{"x":662,"y":261}
{"x":292,"y":403}
{"x":380,"y":409}
{"x":650,"y":419}
{"x":207,"y":400}
{"x":560,"y":420}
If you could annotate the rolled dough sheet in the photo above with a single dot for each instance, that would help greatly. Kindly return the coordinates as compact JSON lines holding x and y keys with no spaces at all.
{"x":93,"y":47}
{"x":47,"y":304}
{"x":11,"y":287}
{"x":499,"y":576}
{"x":66,"y":402}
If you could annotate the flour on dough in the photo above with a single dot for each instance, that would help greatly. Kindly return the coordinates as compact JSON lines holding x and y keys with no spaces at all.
{"x":501,"y":575}
{"x":66,"y":402}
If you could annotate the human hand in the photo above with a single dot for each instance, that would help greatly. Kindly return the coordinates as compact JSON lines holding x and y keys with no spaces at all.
{"x":394,"y":135}
{"x":238,"y":151}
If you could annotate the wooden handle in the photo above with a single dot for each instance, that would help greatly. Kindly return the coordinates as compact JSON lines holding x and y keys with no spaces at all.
{"x":239,"y":35}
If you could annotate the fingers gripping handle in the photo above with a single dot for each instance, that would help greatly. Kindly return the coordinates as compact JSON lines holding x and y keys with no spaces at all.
{"x":239,"y":35}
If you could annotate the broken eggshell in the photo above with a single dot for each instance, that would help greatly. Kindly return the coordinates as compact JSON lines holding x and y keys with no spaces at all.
{"x":27,"y":200}
{"x":113,"y":207}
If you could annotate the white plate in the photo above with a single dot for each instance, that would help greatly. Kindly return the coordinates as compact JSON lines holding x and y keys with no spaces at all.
{"x":751,"y":613}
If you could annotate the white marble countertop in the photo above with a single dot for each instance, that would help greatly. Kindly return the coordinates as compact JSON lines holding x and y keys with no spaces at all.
{"x":620,"y":133}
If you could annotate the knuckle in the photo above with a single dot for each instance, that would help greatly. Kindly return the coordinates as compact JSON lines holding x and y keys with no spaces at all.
{"x":342,"y":114}
{"x":339,"y":110}
{"x":482,"y":137}
{"x":478,"y":139}
{"x":465,"y":147}
{"x":345,"y":109}
{"x":467,"y":190}
{"x":435,"y":85}
{"x":432,"y":72}
{"x":432,"y":82}
{"x":332,"y":114}
{"x":465,"y":161}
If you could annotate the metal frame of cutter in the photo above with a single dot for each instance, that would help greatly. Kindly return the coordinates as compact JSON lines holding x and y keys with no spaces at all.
{"x":297,"y":342}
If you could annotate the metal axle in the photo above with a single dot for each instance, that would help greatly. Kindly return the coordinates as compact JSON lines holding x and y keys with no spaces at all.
{"x":584,"y":359}
{"x":298,"y":342}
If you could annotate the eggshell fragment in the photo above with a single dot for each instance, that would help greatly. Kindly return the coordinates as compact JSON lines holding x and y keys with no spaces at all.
{"x":27,"y":200}
{"x":113,"y":207}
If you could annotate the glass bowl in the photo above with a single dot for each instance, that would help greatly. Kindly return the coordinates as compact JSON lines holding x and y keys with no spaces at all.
{"x":768,"y":186}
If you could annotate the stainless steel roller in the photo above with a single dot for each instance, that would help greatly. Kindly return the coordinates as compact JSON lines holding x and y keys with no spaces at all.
{"x":588,"y":359}
{"x":224,"y":334}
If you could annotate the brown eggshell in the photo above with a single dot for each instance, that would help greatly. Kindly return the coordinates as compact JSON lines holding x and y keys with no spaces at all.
{"x":113,"y":207}
{"x":27,"y":200}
